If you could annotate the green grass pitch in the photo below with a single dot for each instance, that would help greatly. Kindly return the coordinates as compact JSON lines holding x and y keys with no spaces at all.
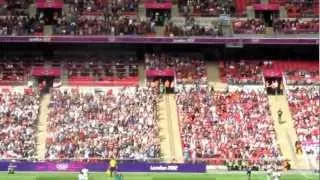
{"x":154,"y":176}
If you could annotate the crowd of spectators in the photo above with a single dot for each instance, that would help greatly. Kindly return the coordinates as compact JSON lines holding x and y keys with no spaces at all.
{"x":100,"y":17}
{"x":305,"y":107}
{"x":159,"y":61}
{"x":191,"y":28}
{"x":16,"y":7}
{"x":101,"y":6}
{"x":18,"y":118}
{"x":14,"y":19}
{"x":302,"y":8}
{"x":100,"y":68}
{"x":188,"y":69}
{"x":98,"y":25}
{"x":249,"y":26}
{"x":120,"y":124}
{"x":20,"y":25}
{"x":302,"y":77}
{"x":226,"y":126}
{"x":13,"y":70}
{"x":206,"y":7}
{"x":243,"y":72}
{"x":296,"y":26}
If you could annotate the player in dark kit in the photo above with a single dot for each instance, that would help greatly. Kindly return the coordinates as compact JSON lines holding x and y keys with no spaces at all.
{"x":249,"y":169}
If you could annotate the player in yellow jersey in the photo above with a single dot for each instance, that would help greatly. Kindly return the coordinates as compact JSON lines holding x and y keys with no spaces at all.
{"x":112,"y":166}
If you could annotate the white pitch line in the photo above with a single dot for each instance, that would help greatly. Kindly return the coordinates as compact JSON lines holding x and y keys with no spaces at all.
{"x":306,"y":176}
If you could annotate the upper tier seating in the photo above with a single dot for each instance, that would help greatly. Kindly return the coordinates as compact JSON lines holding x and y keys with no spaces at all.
{"x":252,"y":72}
{"x":94,"y":71}
{"x":18,"y":118}
{"x":104,"y":26}
{"x":206,"y":7}
{"x":99,"y":7}
{"x":279,"y":67}
{"x":296,"y":26}
{"x":188,"y":69}
{"x":308,"y":8}
{"x":14,"y":70}
{"x":243,"y":72}
{"x":15,"y":7}
{"x":15,"y":21}
{"x":249,"y":26}
{"x":219,"y":126}
{"x":103,"y":17}
{"x":191,"y":28}
{"x":20,"y":25}
{"x":302,"y":77}
{"x":120,"y":124}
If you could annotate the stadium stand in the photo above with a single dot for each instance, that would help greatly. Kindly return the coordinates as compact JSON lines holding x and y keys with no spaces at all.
{"x":305,"y":108}
{"x":188,"y":69}
{"x":99,"y":7}
{"x":122,"y":25}
{"x":15,"y":20}
{"x":102,"y":18}
{"x":206,"y":7}
{"x":103,"y":125}
{"x":302,"y":77}
{"x":13,"y":71}
{"x":92,"y":71}
{"x":243,"y":72}
{"x":249,"y":26}
{"x":296,"y":26}
{"x":282,"y":66}
{"x":92,"y":106}
{"x":18,"y":118}
{"x":253,"y":71}
{"x":190,"y":28}
{"x":213,"y":123}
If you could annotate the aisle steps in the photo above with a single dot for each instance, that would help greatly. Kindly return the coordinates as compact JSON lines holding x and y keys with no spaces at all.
{"x":286,"y":134}
{"x":42,"y":126}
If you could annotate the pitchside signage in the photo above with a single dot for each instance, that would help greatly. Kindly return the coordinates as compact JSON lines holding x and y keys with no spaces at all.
{"x":102,"y":166}
{"x":157,"y":40}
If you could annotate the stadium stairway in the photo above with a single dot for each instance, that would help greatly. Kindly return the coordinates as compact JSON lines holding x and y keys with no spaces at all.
{"x":164,"y":131}
{"x":32,"y":10}
{"x":214,"y":76}
{"x":283,"y":12}
{"x":269,"y":31}
{"x":159,"y":30}
{"x":213,"y":71}
{"x":48,"y":30}
{"x":250,"y":12}
{"x":175,"y":127}
{"x":142,"y":10}
{"x":170,"y":134}
{"x":42,"y":126}
{"x":142,"y":75}
{"x":175,"y":11}
{"x":285,"y":131}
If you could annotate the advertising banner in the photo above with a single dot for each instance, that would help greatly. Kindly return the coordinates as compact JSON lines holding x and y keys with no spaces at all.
{"x":102,"y":167}
{"x":266,"y":7}
{"x":55,"y":4}
{"x":272,"y":73}
{"x":158,"y":40}
{"x":158,"y":72}
{"x":156,"y":5}
{"x":43,"y":71}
